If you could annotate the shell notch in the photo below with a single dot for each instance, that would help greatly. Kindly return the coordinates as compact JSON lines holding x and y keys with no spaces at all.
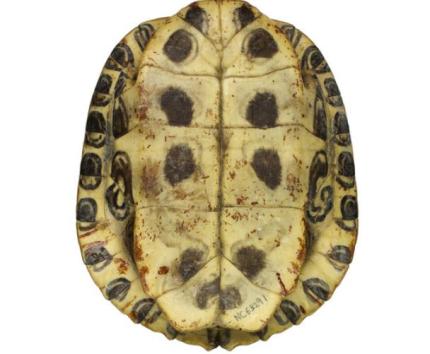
{"x":217,"y":198}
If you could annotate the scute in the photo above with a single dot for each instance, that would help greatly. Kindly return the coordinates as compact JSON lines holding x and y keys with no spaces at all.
{"x":217,"y":197}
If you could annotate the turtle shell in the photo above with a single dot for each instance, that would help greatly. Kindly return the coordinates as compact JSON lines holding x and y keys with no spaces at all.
{"x":217,"y":199}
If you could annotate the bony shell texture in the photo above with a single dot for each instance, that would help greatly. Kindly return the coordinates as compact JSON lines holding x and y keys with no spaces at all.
{"x":217,"y":198}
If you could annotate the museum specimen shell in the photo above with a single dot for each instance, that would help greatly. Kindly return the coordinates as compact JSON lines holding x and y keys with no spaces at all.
{"x":217,"y":199}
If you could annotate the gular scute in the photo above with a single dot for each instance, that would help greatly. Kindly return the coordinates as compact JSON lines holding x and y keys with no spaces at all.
{"x":267,"y":166}
{"x":197,"y":17}
{"x":243,"y":16}
{"x":190,"y":263}
{"x":261,"y":44}
{"x":178,"y":47}
{"x":177,"y":106}
{"x":250,"y":261}
{"x":230,"y":298}
{"x":179,"y":164}
{"x":262,"y":110}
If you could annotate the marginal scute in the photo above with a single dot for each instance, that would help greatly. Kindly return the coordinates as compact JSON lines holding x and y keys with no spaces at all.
{"x":291,"y":310}
{"x":119,"y":119}
{"x":91,"y":171}
{"x":316,"y":289}
{"x":98,"y":257}
{"x":141,"y":309}
{"x":86,"y":210}
{"x":346,"y":164}
{"x":333,"y":94}
{"x":341,"y":254}
{"x":95,"y":130}
{"x":117,"y":289}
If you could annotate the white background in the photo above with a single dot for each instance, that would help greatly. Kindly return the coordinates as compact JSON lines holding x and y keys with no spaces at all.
{"x":50,"y":58}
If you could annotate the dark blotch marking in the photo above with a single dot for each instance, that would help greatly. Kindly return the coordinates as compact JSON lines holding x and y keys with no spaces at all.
{"x":341,"y":254}
{"x":190,"y":263}
{"x":86,"y":210}
{"x":104,"y":84}
{"x":95,"y":130}
{"x":267,"y":166}
{"x":333,"y":93}
{"x":320,"y":204}
{"x":98,"y":257}
{"x":292,"y":34}
{"x":341,"y":129}
{"x":250,"y":261}
{"x":291,"y":310}
{"x":230,"y":298}
{"x":261,"y":44}
{"x":123,"y":55}
{"x":91,"y":165}
{"x":173,"y":333}
{"x":218,"y":336}
{"x":197,"y":17}
{"x":206,"y":292}
{"x":91,"y":170}
{"x":243,"y":16}
{"x":142,"y":34}
{"x":179,"y":164}
{"x":117,"y":289}
{"x":120,"y":85}
{"x":316,"y":289}
{"x":262,"y":111}
{"x":313,"y":60}
{"x":320,"y":118}
{"x":177,"y":106}
{"x":349,"y":207}
{"x":119,"y":119}
{"x":141,"y":309}
{"x":178,"y":46}
{"x":346,"y":164}
{"x":121,"y":189}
